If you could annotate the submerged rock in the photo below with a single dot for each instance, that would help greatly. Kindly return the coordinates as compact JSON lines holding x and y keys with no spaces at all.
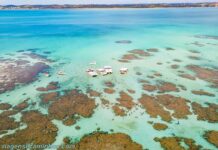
{"x":5,"y":106}
{"x":69,"y":121}
{"x":15,"y":71}
{"x":161,"y":87}
{"x":194,"y":51}
{"x":11,"y":75}
{"x":214,"y":37}
{"x":194,"y":57}
{"x":174,"y":66}
{"x":118,"y":110}
{"x":48,"y":97}
{"x":150,"y":88}
{"x":206,"y":74}
{"x":182,"y":87}
{"x":161,"y":105}
{"x":177,"y":60}
{"x":21,"y":62}
{"x":169,"y":49}
{"x":105,"y":102}
{"x":187,"y":76}
{"x":28,"y":74}
{"x":131,"y":91}
{"x":160,"y":126}
{"x":135,"y":54}
{"x":123,"y":42}
{"x":201,"y":92}
{"x":157,"y":74}
{"x":174,"y":143}
{"x":8,"y":113}
{"x":109,"y":90}
{"x":77,"y":127}
{"x":39,"y":130}
{"x":167,"y":87}
{"x":94,"y":93}
{"x":72,"y":103}
{"x":123,"y":61}
{"x":38,"y":57}
{"x":109,"y":84}
{"x":138,"y":73}
{"x":209,"y":113}
{"x":177,"y":104}
{"x":153,"y":108}
{"x":7,"y":123}
{"x":21,"y":106}
{"x":129,"y":57}
{"x":196,"y":43}
{"x":152,"y":50}
{"x":51,"y":86}
{"x":103,"y":141}
{"x":140,"y":52}
{"x":212,"y":137}
{"x":126,"y":100}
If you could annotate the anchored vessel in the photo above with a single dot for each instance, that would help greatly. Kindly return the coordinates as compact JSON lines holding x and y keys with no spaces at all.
{"x":123,"y":70}
{"x":108,"y":69}
{"x":92,"y":72}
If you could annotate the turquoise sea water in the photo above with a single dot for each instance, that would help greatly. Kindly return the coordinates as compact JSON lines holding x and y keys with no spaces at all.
{"x":78,"y":37}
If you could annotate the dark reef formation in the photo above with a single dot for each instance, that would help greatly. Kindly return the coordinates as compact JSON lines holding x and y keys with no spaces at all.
{"x":39,"y":130}
{"x":161,"y":87}
{"x":134,"y":55}
{"x":204,"y":93}
{"x":123,"y":42}
{"x":7,"y":123}
{"x":209,"y":113}
{"x":206,"y":74}
{"x":212,"y":137}
{"x":20,"y":71}
{"x":161,"y":104}
{"x":73,"y":102}
{"x":51,"y":86}
{"x":5,"y":106}
{"x":174,"y":143}
{"x":48,"y":97}
{"x":104,"y":141}
{"x":126,"y":100}
{"x":160,"y":126}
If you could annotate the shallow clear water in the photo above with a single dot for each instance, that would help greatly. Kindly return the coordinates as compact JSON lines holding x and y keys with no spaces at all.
{"x":78,"y":37}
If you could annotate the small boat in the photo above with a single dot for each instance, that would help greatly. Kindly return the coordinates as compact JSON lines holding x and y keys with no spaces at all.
{"x":46,"y":74}
{"x":89,"y":70}
{"x":61,"y":73}
{"x":108,"y":69}
{"x":123,"y":70}
{"x":92,"y":63}
{"x":177,"y":123}
{"x":92,"y":72}
{"x":102,"y":71}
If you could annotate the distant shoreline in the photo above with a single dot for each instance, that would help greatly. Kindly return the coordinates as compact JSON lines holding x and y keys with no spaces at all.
{"x":104,"y":8}
{"x":113,"y":6}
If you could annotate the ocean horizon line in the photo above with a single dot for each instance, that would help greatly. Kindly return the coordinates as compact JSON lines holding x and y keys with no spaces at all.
{"x":142,"y":5}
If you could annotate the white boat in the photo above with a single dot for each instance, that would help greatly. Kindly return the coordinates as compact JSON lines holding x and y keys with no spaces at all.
{"x":92,"y":73}
{"x":61,"y":73}
{"x":46,"y":74}
{"x":102,"y":71}
{"x":123,"y":70}
{"x":108,"y":69}
{"x":92,"y":63}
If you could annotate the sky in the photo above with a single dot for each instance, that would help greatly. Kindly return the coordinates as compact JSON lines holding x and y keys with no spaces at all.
{"x":21,"y":2}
